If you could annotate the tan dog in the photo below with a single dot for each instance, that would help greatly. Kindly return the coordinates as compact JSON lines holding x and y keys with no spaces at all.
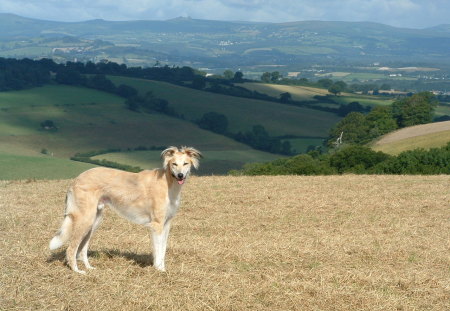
{"x":150,"y":198}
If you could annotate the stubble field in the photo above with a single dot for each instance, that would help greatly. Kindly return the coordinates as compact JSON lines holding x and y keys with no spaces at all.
{"x":242,"y":243}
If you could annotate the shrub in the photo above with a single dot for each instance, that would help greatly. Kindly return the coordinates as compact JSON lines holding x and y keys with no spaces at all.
{"x":356,"y":159}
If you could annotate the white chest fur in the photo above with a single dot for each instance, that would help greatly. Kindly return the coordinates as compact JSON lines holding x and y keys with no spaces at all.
{"x":173,"y":201}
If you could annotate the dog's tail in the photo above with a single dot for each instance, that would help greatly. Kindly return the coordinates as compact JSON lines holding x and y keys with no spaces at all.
{"x":66,"y":228}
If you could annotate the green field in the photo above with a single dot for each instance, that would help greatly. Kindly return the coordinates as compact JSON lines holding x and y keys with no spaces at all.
{"x":89,"y":120}
{"x":301,"y":144}
{"x":241,"y":113}
{"x":15,"y":166}
{"x":365,"y":100}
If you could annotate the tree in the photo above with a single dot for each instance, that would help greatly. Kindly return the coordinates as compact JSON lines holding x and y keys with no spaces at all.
{"x":355,"y":129}
{"x":285,"y":97}
{"x":228,"y":74}
{"x":385,"y":86}
{"x":126,"y":91}
{"x":100,"y":82}
{"x":238,"y":76}
{"x":337,"y":87}
{"x":353,"y":106}
{"x":70,"y":77}
{"x":356,"y":159}
{"x":380,"y":121}
{"x":215,"y":122}
{"x":275,"y":76}
{"x":198,"y":82}
{"x":417,"y":109}
{"x":265,"y":77}
{"x":326,"y":83}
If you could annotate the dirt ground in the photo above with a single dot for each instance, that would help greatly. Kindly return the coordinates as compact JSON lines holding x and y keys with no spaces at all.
{"x":242,"y":243}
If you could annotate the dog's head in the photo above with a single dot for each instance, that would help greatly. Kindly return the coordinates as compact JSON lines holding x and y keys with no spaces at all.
{"x":179,"y":161}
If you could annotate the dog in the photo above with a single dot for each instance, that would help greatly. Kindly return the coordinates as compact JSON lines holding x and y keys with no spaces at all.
{"x":150,"y":198}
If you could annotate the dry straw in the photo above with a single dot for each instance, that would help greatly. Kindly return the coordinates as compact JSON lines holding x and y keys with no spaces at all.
{"x":243,"y":243}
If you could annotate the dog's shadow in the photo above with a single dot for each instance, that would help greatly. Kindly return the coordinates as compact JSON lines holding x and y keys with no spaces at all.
{"x":142,"y":260}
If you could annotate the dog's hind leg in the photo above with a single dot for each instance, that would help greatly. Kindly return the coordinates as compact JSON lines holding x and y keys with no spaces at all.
{"x":80,"y":230}
{"x":83,"y":223}
{"x":82,"y":253}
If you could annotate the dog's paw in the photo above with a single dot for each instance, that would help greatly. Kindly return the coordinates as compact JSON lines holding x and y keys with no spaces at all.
{"x":80,"y":271}
{"x":160,"y":268}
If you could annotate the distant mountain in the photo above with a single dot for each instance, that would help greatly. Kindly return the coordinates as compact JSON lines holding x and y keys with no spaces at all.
{"x":206,"y":43}
{"x":441,"y":28}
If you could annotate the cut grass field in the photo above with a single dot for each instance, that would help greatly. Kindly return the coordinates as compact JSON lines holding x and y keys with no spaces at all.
{"x":242,"y":243}
{"x":426,"y":136}
{"x":305,"y":93}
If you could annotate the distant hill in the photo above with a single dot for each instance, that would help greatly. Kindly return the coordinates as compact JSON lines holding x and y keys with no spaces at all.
{"x":207,"y":43}
{"x":420,"y":136}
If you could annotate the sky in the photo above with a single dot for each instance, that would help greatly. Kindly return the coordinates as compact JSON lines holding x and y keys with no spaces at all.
{"x":399,"y":13}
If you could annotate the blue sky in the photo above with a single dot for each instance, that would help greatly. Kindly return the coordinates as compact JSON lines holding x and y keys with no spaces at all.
{"x":400,"y":13}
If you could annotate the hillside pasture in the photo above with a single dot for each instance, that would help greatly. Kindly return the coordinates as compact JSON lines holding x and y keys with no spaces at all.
{"x":14,"y":166}
{"x":274,"y":90}
{"x":89,"y":120}
{"x":424,"y":136}
{"x":242,"y":243}
{"x":306,"y":93}
{"x":242,"y":113}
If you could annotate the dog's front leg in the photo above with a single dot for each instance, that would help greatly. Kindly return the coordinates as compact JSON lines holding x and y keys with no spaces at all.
{"x":160,"y":246}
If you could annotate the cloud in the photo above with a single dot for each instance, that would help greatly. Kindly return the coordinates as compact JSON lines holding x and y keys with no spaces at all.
{"x":407,"y":13}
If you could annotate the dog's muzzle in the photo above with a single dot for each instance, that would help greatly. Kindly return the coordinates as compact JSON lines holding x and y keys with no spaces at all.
{"x":180,"y":177}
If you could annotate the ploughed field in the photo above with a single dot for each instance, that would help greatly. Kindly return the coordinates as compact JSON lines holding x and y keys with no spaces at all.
{"x":242,"y":243}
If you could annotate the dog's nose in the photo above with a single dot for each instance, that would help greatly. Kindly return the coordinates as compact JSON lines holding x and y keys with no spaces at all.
{"x":180,"y":175}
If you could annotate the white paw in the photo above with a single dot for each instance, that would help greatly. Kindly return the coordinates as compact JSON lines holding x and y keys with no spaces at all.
{"x":160,"y":268}
{"x":79,"y":271}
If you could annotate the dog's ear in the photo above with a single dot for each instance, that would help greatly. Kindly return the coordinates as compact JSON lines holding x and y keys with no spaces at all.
{"x":167,"y":154}
{"x":194,"y":154}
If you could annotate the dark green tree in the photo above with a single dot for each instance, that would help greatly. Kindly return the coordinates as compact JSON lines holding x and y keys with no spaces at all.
{"x":380,"y":121}
{"x":417,"y":109}
{"x":275,"y":76}
{"x":228,"y":74}
{"x":265,"y":77}
{"x":326,"y":83}
{"x":337,"y":87}
{"x":214,"y":122}
{"x":285,"y":97}
{"x":355,"y":129}
{"x":238,"y":77}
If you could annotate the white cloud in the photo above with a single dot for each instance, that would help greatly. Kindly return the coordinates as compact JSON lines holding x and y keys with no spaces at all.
{"x":408,"y":13}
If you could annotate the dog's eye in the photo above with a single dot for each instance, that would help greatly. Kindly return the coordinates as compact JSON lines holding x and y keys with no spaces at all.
{"x":185,"y":163}
{"x":174,"y":164}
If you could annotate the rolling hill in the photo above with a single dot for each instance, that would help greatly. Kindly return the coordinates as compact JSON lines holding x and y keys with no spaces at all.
{"x":219,"y":44}
{"x":306,"y":93}
{"x":242,"y":113}
{"x":90,"y":120}
{"x":424,"y":136}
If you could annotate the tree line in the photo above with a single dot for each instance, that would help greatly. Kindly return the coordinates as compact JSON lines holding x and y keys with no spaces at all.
{"x":356,"y":159}
{"x":360,"y":128}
